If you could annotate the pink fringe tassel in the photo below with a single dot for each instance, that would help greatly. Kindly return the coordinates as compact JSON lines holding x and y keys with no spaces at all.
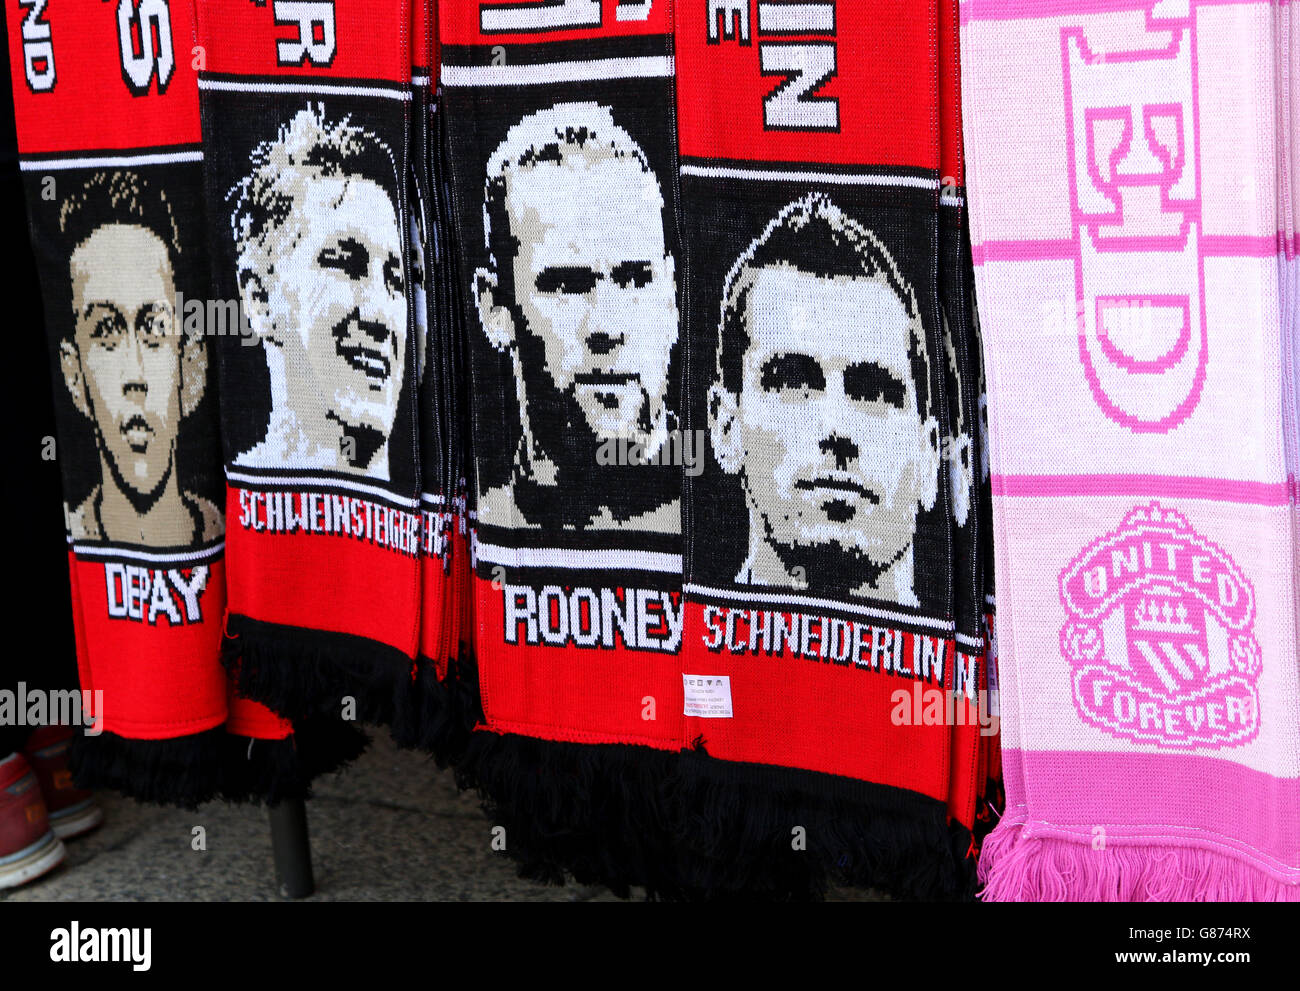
{"x":1015,"y":868}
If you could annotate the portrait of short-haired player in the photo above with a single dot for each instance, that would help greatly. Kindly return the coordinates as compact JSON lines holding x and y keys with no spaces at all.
{"x":320,"y":271}
{"x":580,"y":294}
{"x":128,"y":368}
{"x":822,"y":407}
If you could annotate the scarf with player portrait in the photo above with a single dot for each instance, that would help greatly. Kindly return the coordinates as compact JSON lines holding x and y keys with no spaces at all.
{"x":1133,"y":251}
{"x":306,"y":123}
{"x":107,"y":108}
{"x":560,"y":157}
{"x":830,"y":584}
{"x":687,"y":768}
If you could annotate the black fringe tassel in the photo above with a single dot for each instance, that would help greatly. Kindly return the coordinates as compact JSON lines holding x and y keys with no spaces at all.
{"x":184,"y":771}
{"x":273,"y":770}
{"x":298,"y":673}
{"x":685,"y":826}
{"x":438,"y":716}
{"x":190,"y":770}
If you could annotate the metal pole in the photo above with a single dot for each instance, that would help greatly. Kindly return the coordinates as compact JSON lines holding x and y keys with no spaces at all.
{"x":291,"y":848}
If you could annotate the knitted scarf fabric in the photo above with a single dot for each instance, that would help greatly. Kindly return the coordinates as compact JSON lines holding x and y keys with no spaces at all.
{"x":822,"y":560}
{"x":638,"y":177}
{"x":109,"y":138}
{"x":1130,"y":175}
{"x":441,"y":707}
{"x":975,"y":733}
{"x":106,"y":172}
{"x":306,"y":122}
{"x":560,"y":151}
{"x":433,"y":387}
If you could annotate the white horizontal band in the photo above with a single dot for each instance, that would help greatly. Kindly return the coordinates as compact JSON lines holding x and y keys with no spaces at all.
{"x":316,"y":483}
{"x":830,"y":604}
{"x":108,"y":161}
{"x":153,"y":557}
{"x":322,"y":89}
{"x":810,"y":175}
{"x":576,"y":560}
{"x":557,"y":72}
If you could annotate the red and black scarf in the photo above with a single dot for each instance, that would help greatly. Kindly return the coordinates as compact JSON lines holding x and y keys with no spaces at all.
{"x":306,"y":118}
{"x":107,"y":107}
{"x":718,"y":713}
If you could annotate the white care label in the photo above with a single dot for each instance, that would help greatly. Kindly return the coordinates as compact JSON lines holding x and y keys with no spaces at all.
{"x":707,"y":695}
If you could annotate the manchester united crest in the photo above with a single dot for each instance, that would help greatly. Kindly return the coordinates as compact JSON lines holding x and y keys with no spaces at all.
{"x":1159,"y":634}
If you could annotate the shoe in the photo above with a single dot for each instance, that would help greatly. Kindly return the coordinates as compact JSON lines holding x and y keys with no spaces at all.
{"x":28,"y":846}
{"x":72,"y":810}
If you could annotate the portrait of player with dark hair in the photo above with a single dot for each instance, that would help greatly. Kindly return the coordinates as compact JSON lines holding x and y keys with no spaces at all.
{"x":822,"y":407}
{"x":580,"y":294}
{"x":319,"y":265}
{"x":128,"y":368}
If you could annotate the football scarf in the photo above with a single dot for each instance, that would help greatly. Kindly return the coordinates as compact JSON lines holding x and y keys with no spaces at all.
{"x":713,"y":758}
{"x":974,"y":729}
{"x":432,"y":386}
{"x":109,"y":141}
{"x":305,"y":116}
{"x":560,"y":154}
{"x":109,"y":134}
{"x":822,"y":556}
{"x":438,"y":710}
{"x":1128,"y":257}
{"x":1286,"y":31}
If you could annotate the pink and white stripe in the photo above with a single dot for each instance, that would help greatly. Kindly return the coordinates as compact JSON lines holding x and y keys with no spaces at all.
{"x":1133,"y":180}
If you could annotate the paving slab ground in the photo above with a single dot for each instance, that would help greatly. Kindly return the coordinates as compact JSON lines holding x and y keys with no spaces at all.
{"x":391,"y":827}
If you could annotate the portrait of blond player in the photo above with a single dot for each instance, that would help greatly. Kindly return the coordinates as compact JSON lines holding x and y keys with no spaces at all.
{"x":128,"y":368}
{"x":822,"y":408}
{"x":319,"y":265}
{"x":580,"y":294}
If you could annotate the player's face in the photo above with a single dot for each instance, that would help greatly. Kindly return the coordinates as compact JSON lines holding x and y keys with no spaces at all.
{"x":122,"y":298}
{"x":833,"y":442}
{"x":340,"y":287}
{"x":594,"y":285}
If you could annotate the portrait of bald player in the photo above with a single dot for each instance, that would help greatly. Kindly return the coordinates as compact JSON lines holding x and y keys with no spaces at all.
{"x":822,"y":407}
{"x":319,"y":265}
{"x":128,"y":369}
{"x":580,"y":295}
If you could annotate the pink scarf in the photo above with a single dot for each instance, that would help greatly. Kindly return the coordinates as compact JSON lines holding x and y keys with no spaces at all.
{"x":1131,"y":167}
